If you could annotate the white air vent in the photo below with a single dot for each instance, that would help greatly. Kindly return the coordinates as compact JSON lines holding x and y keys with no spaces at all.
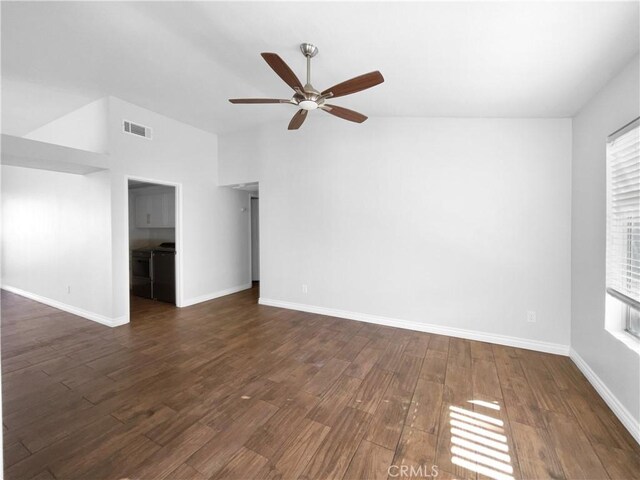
{"x":135,"y":129}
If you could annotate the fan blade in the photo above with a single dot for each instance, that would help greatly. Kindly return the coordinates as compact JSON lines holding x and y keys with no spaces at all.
{"x":298,"y":119}
{"x":344,"y":113}
{"x":258,"y":100}
{"x":282,"y":69}
{"x":355,"y":84}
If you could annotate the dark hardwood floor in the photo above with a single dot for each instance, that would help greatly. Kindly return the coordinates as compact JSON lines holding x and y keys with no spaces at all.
{"x":229,"y":389}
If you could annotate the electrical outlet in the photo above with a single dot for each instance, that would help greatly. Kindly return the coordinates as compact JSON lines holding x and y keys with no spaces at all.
{"x":531,"y":316}
{"x":304,"y":288}
{"x":68,"y":288}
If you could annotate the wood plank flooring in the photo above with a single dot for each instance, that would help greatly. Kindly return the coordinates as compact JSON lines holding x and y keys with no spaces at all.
{"x":229,"y":389}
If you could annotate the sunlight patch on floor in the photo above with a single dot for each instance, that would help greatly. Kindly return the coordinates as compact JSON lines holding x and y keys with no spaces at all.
{"x":479,"y":442}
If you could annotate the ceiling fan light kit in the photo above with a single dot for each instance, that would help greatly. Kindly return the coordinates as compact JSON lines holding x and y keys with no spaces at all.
{"x":308,"y":98}
{"x":308,"y":104}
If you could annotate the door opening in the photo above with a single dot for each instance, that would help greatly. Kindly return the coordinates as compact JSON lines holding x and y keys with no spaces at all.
{"x":152,"y":243}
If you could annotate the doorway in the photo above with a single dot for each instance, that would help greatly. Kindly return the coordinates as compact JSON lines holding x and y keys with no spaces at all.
{"x":255,"y":239}
{"x":153,"y":271}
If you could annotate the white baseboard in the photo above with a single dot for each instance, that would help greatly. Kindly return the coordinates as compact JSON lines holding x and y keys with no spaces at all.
{"x":528,"y":344}
{"x":211,"y":296}
{"x":96,"y":317}
{"x":607,"y":395}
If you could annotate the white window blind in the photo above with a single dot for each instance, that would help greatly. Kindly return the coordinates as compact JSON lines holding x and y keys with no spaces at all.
{"x":623,"y":214}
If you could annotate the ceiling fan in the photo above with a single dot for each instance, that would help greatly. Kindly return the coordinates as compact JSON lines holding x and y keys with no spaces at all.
{"x":308,"y":98}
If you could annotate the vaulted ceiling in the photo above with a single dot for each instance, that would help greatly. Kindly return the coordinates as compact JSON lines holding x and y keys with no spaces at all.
{"x":184,"y":59}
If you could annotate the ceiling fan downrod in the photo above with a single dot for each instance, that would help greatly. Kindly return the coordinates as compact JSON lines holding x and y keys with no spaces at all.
{"x":308,"y":50}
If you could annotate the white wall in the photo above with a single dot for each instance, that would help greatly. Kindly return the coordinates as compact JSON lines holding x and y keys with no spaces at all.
{"x":240,"y":156}
{"x":56,"y":234}
{"x":214,"y":240}
{"x":84,"y":129}
{"x":214,"y":243}
{"x":617,"y":366}
{"x":459,"y":223}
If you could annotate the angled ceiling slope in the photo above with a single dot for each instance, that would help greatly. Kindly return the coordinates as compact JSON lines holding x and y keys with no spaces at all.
{"x":184,"y":59}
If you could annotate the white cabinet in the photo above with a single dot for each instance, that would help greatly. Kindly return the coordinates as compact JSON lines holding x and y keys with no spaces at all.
{"x":169,"y":209}
{"x":155,"y":210}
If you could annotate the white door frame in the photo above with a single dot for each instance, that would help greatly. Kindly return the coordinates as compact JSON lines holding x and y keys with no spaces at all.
{"x":178,"y":194}
{"x":251,"y":198}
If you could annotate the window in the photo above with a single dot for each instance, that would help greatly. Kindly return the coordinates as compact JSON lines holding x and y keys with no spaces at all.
{"x":623,"y":221}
